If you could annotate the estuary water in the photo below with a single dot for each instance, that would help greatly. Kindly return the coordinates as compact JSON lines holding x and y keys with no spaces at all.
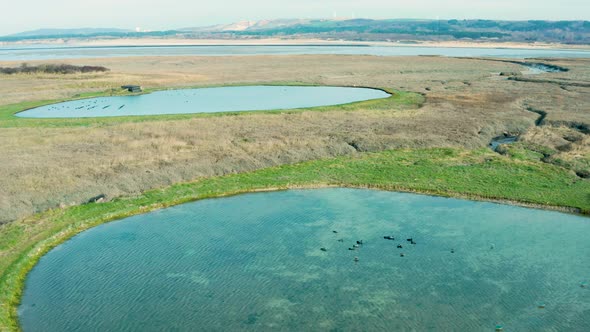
{"x":206,"y":100}
{"x":281,"y":261}
{"x":48,"y":52}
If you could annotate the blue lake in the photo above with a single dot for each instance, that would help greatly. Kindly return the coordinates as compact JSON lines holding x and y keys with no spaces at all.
{"x":206,"y":100}
{"x":46,"y":53}
{"x":254,"y":262}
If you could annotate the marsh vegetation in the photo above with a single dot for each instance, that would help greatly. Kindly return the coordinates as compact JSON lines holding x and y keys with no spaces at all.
{"x":62,"y":68}
{"x":430,"y":136}
{"x":450,"y":103}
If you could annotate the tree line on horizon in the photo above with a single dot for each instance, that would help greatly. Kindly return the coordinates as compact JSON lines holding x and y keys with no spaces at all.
{"x":567,"y":32}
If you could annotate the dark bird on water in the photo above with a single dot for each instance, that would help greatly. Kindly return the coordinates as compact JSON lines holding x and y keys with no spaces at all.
{"x":323,"y":249}
{"x":410,"y":240}
{"x":359,"y":242}
{"x":389,"y":237}
{"x":401,"y":255}
{"x":399,"y":246}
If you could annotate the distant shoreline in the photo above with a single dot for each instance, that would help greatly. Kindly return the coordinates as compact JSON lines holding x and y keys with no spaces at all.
{"x":154,"y":42}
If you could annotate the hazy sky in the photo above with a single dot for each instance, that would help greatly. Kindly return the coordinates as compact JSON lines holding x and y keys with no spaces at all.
{"x":19,"y":15}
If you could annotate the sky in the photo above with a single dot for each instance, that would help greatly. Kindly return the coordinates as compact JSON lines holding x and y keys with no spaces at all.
{"x":22,"y":15}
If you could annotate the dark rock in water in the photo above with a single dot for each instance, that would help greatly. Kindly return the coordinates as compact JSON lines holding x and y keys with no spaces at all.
{"x":388,"y":237}
{"x":98,"y":199}
{"x":323,"y":249}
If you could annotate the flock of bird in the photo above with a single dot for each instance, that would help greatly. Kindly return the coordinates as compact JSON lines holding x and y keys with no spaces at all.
{"x":89,"y":106}
{"x":359,"y":244}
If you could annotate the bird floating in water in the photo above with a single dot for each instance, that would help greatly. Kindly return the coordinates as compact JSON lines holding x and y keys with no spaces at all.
{"x":356,"y":259}
{"x":401,"y":255}
{"x":323,"y":249}
{"x":389,"y":237}
{"x":410,"y":240}
{"x":359,"y":242}
{"x":452,"y":251}
{"x":399,"y":246}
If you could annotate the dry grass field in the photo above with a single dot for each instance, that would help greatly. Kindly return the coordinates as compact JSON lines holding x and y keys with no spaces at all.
{"x":466,"y":104}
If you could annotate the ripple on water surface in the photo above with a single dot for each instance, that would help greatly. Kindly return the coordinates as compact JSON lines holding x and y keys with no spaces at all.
{"x":253,"y":262}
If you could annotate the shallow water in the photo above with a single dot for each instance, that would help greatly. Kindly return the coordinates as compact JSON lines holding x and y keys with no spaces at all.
{"x":497,"y":141}
{"x":45,"y":53}
{"x":206,"y":100}
{"x":253,"y":262}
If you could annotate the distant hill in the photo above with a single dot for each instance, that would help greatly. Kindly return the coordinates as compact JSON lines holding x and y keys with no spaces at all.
{"x":573,"y":32}
{"x":60,"y":32}
{"x":249,"y":25}
{"x":566,"y":32}
{"x":47,"y":34}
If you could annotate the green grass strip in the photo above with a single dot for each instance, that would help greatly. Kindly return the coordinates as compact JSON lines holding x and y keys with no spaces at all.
{"x":477,"y":174}
{"x":398,"y":100}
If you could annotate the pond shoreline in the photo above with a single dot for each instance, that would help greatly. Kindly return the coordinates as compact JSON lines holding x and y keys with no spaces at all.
{"x":147,"y":91}
{"x":312,"y":215}
{"x":15,"y":275}
{"x":208,"y":100}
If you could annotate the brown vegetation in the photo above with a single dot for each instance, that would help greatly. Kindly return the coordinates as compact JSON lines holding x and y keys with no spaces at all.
{"x":51,"y":69}
{"x":467,"y":103}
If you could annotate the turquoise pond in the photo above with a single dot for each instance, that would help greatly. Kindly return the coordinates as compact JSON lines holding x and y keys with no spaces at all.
{"x":254,"y":262}
{"x":206,"y":100}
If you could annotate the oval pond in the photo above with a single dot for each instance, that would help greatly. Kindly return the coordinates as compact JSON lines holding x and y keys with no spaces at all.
{"x":207,"y":100}
{"x":254,"y":262}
